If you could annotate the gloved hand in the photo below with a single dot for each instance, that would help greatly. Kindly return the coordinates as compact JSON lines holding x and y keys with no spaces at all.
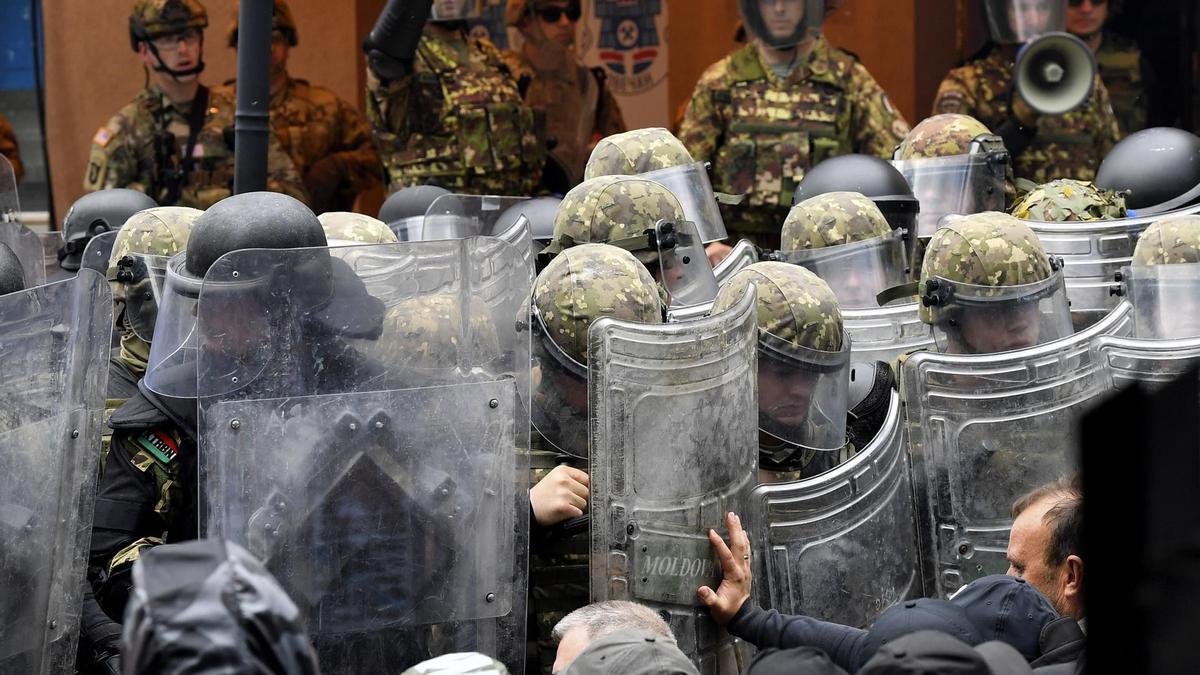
{"x":323,"y":180}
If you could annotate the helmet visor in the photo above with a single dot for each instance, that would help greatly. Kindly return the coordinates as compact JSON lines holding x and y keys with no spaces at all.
{"x":683,"y":265}
{"x":1015,"y":21}
{"x":408,"y":229}
{"x":857,"y":271}
{"x":970,"y":319}
{"x":171,"y":369}
{"x":144,"y":277}
{"x":691,"y":186}
{"x":560,"y":394}
{"x":955,"y":185}
{"x":1166,"y":300}
{"x":802,"y":392}
{"x":458,"y":216}
{"x":782,"y":23}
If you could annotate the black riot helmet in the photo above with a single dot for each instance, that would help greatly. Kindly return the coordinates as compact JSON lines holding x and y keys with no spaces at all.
{"x":250,"y":220}
{"x":1159,"y":167}
{"x":867,"y":175}
{"x":96,"y":213}
{"x":12,"y":278}
{"x":404,"y":210}
{"x":540,"y":211}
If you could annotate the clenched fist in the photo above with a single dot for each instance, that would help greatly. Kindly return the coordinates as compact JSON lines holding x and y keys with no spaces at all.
{"x":561,"y":495}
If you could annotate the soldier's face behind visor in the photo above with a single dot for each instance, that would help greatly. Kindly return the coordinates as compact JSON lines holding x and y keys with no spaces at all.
{"x":781,"y":16}
{"x":1033,"y":15}
{"x":786,"y":392}
{"x":1002,"y":329}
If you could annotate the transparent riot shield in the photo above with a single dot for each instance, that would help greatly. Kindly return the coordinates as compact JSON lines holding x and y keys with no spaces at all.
{"x":10,"y":203}
{"x":956,"y":185}
{"x":1092,"y":254}
{"x":1165,"y":299}
{"x":97,"y":252}
{"x":691,"y":186}
{"x":985,"y":429}
{"x":743,"y":255}
{"x":456,"y":216}
{"x":1152,"y":363}
{"x":28,"y":247}
{"x":884,"y":333}
{"x":683,"y":265}
{"x":673,"y":446}
{"x":54,"y":343}
{"x":372,"y":451}
{"x":840,"y":546}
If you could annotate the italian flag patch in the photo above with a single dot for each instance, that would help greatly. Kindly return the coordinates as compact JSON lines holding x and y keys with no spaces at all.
{"x":162,"y":446}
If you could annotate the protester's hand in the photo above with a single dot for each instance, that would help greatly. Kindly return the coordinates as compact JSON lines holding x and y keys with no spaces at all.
{"x":561,"y":495}
{"x":716,"y":252}
{"x":734,"y":590}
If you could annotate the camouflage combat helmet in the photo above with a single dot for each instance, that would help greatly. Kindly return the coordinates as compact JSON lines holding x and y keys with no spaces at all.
{"x":983,"y":249}
{"x":161,"y":231}
{"x":793,"y":304}
{"x":943,"y":135}
{"x":345,"y":226}
{"x":587,"y":282}
{"x":609,"y":209}
{"x":1171,"y":240}
{"x":832,"y":219}
{"x":154,"y":18}
{"x":425,"y":334}
{"x":634,"y":152}
{"x":281,"y":20}
{"x":1068,"y":200}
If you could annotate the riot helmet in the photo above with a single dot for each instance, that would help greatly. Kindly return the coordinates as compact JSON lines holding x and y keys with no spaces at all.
{"x":12,"y":277}
{"x":152,"y":20}
{"x":657,"y":155}
{"x":281,"y":20}
{"x":868,"y":175}
{"x":955,"y":165}
{"x":1018,"y":21}
{"x":844,"y":239}
{"x":804,"y":354}
{"x":1066,"y":200}
{"x":1163,"y":280}
{"x":1158,"y":169}
{"x":404,"y":210}
{"x":96,"y":213}
{"x":250,"y":220}
{"x":782,"y":24}
{"x":988,"y":286}
{"x":580,"y":285}
{"x":540,"y":212}
{"x":344,"y":228}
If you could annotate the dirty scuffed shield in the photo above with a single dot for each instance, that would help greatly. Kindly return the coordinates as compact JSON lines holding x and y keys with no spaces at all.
{"x":368,"y":448}
{"x":54,"y":343}
{"x":1153,"y":363}
{"x":98,"y":249}
{"x":884,"y":333}
{"x":985,"y":429}
{"x":674,"y":445}
{"x":840,"y":546}
{"x":22,"y":240}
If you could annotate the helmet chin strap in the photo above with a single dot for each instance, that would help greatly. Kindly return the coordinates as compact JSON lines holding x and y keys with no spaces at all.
{"x":176,"y":74}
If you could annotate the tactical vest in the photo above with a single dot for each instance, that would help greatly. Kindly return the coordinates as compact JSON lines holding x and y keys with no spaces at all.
{"x":775,"y":130}
{"x":1121,"y":71}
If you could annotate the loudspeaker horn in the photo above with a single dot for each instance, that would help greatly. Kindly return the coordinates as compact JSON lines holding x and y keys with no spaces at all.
{"x":1055,"y":73}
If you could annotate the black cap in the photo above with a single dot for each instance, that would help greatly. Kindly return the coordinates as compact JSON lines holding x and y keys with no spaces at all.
{"x":1007,"y":609}
{"x":807,"y":660}
{"x":936,"y":652}
{"x":922,"y":614}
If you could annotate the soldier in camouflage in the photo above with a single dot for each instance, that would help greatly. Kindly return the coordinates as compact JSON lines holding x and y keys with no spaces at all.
{"x":988,"y":286}
{"x":344,"y":227}
{"x":578,"y":106}
{"x":327,"y":138}
{"x":443,"y":106}
{"x":581,"y":285}
{"x":778,"y":106}
{"x":1070,"y":200}
{"x":9,"y":148}
{"x":1124,"y":71}
{"x":1043,"y":147}
{"x":170,"y":142}
{"x":803,"y":370}
{"x":637,"y":151}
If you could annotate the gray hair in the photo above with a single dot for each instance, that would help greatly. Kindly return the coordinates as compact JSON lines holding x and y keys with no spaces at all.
{"x":602,"y":618}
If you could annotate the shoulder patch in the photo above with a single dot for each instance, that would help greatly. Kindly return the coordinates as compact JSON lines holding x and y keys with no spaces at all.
{"x":102,"y":137}
{"x":159,"y":444}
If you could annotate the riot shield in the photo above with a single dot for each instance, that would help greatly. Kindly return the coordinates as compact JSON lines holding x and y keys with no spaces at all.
{"x":98,"y":250}
{"x":673,"y":446}
{"x":28,"y":247}
{"x":1153,"y":363}
{"x":743,"y":255}
{"x":683,"y":267}
{"x":10,"y":204}
{"x":691,"y":186}
{"x":840,"y":546}
{"x":372,"y":451}
{"x":456,"y":216}
{"x":1092,"y":253}
{"x":884,"y":333}
{"x":54,"y":365}
{"x":983,"y":430}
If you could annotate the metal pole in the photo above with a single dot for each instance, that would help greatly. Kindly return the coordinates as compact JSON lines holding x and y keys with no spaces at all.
{"x":253,"y":124}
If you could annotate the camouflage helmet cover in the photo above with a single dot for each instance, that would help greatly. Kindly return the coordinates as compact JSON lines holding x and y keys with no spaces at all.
{"x":637,"y":151}
{"x":832,"y":219}
{"x":356,"y":227}
{"x":793,"y":304}
{"x":161,"y":231}
{"x":281,"y":20}
{"x":587,"y":282}
{"x":609,"y":208}
{"x":1070,"y":200}
{"x":984,"y":249}
{"x":154,"y":18}
{"x":1170,"y":240}
{"x":426,"y":333}
{"x":942,"y":135}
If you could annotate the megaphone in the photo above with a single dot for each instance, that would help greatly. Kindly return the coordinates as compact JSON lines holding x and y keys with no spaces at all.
{"x":1054,"y":73}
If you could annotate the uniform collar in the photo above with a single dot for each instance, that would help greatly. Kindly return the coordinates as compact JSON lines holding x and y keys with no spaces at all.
{"x":817,"y":65}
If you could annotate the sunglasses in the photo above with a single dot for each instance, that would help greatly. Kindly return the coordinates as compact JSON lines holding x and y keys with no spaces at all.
{"x":1076,"y":3}
{"x":555,"y":14}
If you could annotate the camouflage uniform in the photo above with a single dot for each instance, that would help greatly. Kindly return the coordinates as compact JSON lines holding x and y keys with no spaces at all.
{"x":1070,"y":200}
{"x":761,"y":132}
{"x":637,"y":151}
{"x":1169,"y":241}
{"x":832,"y":219}
{"x":578,"y":107}
{"x":356,"y":228}
{"x":8,"y":147}
{"x":458,"y":121}
{"x":1070,"y":145}
{"x":799,"y":308}
{"x":1125,"y":75}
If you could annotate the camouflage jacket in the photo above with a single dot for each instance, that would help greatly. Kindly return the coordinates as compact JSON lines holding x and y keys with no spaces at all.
{"x":142,"y":147}
{"x":1066,"y":146}
{"x":458,"y":121}
{"x":578,"y":107}
{"x":1125,"y":74}
{"x":762,"y":133}
{"x":8,"y":147}
{"x":311,"y":123}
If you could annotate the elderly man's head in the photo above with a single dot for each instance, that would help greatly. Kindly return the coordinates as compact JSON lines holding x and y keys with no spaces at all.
{"x":1044,"y":546}
{"x":587,"y":624}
